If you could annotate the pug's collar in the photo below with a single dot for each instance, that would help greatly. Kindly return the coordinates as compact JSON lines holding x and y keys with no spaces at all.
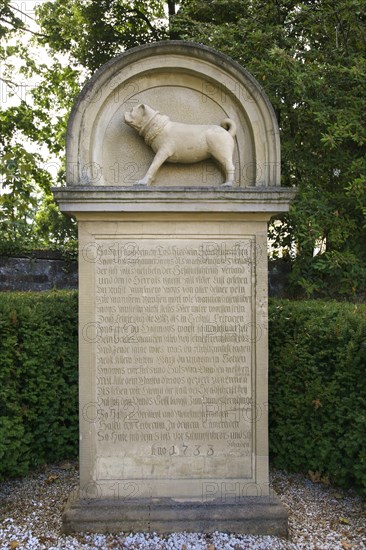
{"x":153,"y":127}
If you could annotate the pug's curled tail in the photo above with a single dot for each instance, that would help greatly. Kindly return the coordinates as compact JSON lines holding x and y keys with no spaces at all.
{"x":229,"y":125}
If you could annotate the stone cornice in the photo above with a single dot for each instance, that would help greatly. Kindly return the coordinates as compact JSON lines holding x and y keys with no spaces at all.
{"x":270,"y":200}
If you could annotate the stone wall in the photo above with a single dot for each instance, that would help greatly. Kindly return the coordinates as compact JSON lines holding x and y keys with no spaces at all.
{"x":42,"y":270}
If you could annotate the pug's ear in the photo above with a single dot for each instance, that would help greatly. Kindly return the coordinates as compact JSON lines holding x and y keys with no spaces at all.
{"x":141,"y":107}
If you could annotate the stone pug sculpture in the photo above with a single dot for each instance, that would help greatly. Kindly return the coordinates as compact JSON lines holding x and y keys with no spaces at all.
{"x":183,"y":143}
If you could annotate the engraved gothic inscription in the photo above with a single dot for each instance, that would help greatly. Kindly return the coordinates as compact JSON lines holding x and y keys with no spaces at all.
{"x":174,"y":357}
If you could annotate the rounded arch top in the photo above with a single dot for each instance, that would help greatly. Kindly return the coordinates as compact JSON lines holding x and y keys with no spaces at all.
{"x":188,"y":82}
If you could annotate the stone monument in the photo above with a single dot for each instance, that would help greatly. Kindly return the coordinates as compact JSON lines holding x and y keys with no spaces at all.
{"x":173,"y":171}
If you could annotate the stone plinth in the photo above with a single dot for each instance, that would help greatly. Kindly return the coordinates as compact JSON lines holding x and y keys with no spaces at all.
{"x":253,"y":516}
{"x":173,"y":308}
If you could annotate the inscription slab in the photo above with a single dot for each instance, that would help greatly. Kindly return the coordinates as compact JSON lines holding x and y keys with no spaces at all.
{"x":173,"y":338}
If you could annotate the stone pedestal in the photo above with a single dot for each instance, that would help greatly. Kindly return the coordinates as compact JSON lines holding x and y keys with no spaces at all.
{"x":253,"y":516}
{"x":173,"y":316}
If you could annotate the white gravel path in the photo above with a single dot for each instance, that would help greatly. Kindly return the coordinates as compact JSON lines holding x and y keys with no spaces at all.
{"x":321,"y":517}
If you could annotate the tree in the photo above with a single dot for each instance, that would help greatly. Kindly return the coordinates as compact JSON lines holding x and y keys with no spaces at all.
{"x":105,"y":28}
{"x":33,"y":113}
{"x":72,"y":39}
{"x":309,"y":57}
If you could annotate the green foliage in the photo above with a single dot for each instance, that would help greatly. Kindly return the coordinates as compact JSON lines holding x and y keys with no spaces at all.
{"x":310,"y":59}
{"x":105,"y":27}
{"x":38,"y":380}
{"x":9,"y":19}
{"x":41,"y":89}
{"x":317,"y":385}
{"x":50,"y":221}
{"x":21,"y":176}
{"x":38,"y":95}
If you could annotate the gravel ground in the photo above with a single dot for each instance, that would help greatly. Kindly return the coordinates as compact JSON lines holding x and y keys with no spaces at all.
{"x":320,"y":517}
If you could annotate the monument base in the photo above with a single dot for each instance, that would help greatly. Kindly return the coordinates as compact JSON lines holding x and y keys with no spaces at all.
{"x":250,"y":515}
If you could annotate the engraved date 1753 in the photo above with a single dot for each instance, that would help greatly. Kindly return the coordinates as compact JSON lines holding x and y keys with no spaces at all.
{"x":183,"y":450}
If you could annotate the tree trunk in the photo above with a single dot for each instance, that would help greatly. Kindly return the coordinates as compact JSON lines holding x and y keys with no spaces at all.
{"x":171,"y":7}
{"x":172,"y":11}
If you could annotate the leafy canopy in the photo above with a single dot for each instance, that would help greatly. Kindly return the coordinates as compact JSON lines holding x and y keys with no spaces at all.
{"x":92,"y":32}
{"x":38,"y":94}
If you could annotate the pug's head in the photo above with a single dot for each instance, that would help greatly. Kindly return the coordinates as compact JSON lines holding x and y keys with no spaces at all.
{"x":139,"y":116}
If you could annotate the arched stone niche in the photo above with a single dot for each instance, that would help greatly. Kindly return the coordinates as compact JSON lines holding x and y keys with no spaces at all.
{"x":188,"y":82}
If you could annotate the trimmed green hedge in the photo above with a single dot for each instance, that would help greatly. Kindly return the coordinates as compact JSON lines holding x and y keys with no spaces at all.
{"x":317,"y":384}
{"x":317,"y":387}
{"x":38,"y":379}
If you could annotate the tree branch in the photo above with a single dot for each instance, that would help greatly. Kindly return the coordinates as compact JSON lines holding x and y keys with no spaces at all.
{"x":22,"y":27}
{"x":22,"y":12}
{"x":8,"y":82}
{"x":146,"y":19}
